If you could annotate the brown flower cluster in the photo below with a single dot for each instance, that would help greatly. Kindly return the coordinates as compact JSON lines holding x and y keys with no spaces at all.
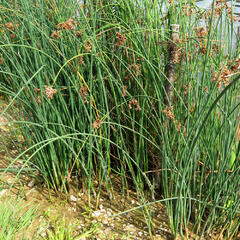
{"x":55,"y":34}
{"x":80,"y":60}
{"x":202,"y":47}
{"x":226,"y":72}
{"x":83,"y":93}
{"x":1,"y":61}
{"x":11,"y":27}
{"x":223,"y":77}
{"x":170,"y":115}
{"x":133,"y":68}
{"x":220,"y":6}
{"x":178,"y":124}
{"x":201,"y":32}
{"x":235,"y":65}
{"x":187,"y":87}
{"x":38,"y":99}
{"x":97,"y":123}
{"x":124,"y":91}
{"x":215,"y":48}
{"x":67,"y":25}
{"x":188,"y":10}
{"x":121,"y":39}
{"x":88,"y":47}
{"x":136,"y":68}
{"x":50,"y":92}
{"x":79,"y":34}
{"x":169,"y":112}
{"x":135,"y":103}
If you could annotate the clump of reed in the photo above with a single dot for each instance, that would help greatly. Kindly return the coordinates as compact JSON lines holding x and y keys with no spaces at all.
{"x":90,"y":89}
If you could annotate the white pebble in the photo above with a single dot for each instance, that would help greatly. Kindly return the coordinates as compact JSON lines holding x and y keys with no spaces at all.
{"x":96,"y":214}
{"x":3,"y":192}
{"x":73,"y":199}
{"x":105,"y":221}
{"x":43,"y":234}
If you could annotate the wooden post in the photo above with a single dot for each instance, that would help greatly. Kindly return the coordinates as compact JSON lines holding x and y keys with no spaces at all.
{"x":169,"y":85}
{"x":171,"y":68}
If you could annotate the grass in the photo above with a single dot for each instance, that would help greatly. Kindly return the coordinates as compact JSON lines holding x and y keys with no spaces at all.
{"x":91,"y":99}
{"x":15,"y":221}
{"x":18,"y":221}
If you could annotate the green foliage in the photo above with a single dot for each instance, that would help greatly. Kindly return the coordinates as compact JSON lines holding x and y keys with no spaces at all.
{"x":14,"y":220}
{"x":90,"y":93}
{"x":61,"y":231}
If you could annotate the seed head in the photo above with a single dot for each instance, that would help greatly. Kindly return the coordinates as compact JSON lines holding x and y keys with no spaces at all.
{"x":50,"y":92}
{"x":97,"y":123}
{"x":55,"y":34}
{"x":121,"y":39}
{"x":83,"y":93}
{"x":124,"y":91}
{"x":134,"y":102}
{"x":68,"y":25}
{"x":11,"y":26}
{"x":168,"y":112}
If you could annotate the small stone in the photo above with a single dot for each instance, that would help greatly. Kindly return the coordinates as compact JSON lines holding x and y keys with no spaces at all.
{"x":43,"y":234}
{"x":133,"y":202}
{"x":9,"y":181}
{"x":42,"y":231}
{"x":103,"y":211}
{"x":140,"y":234}
{"x":96,"y":213}
{"x":105,"y":221}
{"x":73,"y":199}
{"x":3,"y":192}
{"x":31,"y":183}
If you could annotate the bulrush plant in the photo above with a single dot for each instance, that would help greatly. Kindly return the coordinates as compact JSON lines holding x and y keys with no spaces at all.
{"x":91,"y":97}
